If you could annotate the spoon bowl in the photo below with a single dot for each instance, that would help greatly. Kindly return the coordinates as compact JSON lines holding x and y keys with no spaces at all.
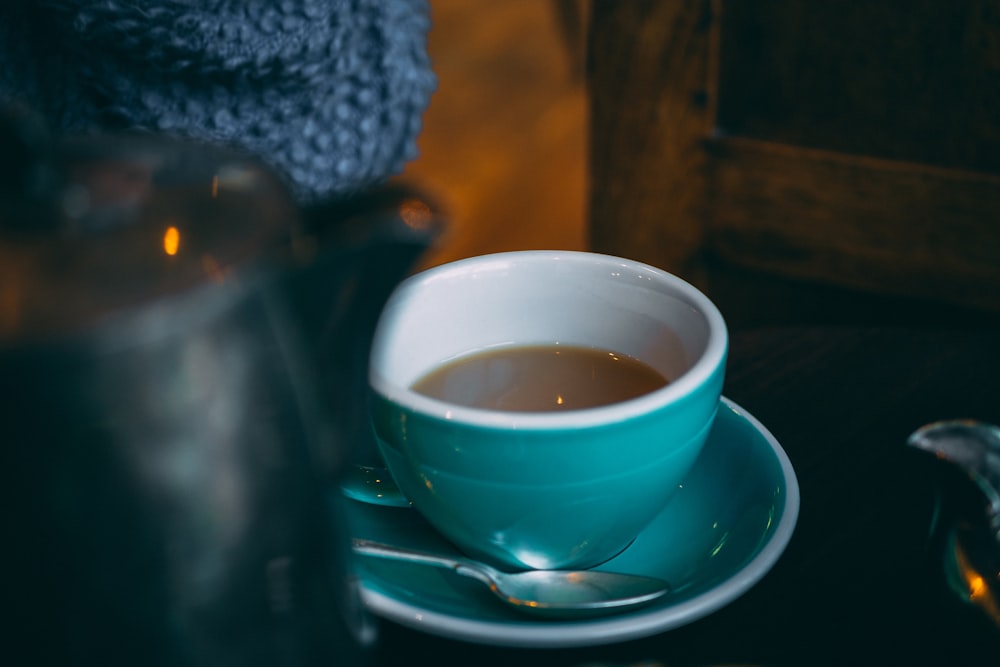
{"x":553,"y":593}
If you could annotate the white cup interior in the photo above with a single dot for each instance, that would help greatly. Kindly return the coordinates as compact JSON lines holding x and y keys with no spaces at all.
{"x":539,"y":297}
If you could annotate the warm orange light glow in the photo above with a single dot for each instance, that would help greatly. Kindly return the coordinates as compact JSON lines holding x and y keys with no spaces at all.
{"x":982,"y":591}
{"x":215,"y":187}
{"x":171,"y":240}
{"x":415,"y":213}
{"x":976,"y":586}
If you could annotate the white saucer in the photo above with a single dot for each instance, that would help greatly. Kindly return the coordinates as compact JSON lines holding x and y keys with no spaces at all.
{"x":724,"y":529}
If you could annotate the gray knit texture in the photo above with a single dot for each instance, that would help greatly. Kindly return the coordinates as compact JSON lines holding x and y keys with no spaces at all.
{"x":330,"y":92}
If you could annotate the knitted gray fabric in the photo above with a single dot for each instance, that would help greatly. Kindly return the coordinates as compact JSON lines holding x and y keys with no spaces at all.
{"x":331,"y":92}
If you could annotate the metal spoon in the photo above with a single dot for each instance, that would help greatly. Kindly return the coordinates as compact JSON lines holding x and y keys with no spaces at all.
{"x":561,"y":593}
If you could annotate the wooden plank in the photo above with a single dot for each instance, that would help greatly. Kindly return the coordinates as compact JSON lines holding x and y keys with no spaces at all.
{"x":648,"y":73}
{"x":917,"y":81}
{"x":903,"y":228}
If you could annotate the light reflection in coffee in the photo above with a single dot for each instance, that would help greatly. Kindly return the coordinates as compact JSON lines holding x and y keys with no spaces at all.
{"x":540,"y":378}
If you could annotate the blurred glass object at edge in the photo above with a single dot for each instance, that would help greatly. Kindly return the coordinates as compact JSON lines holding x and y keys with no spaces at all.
{"x":183,"y":359}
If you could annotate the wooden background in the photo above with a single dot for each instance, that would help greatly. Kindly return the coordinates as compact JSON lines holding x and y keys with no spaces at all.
{"x":799,"y":161}
{"x":830,"y":145}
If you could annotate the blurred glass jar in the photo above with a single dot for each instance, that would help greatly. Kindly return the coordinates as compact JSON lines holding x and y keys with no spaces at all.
{"x":182,"y":384}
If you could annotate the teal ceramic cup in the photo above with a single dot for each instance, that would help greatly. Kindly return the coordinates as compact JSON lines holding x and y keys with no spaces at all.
{"x":559,"y":489}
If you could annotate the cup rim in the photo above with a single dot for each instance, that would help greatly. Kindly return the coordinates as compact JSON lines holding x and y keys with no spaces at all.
{"x":713,"y":356}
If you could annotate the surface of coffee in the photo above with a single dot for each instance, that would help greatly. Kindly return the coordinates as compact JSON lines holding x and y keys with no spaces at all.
{"x":540,"y":378}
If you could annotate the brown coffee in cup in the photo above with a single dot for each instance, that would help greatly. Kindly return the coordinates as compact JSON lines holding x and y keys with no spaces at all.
{"x":539,"y":378}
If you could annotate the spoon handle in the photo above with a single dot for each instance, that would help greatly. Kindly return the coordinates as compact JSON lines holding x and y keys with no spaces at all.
{"x":461,"y":566}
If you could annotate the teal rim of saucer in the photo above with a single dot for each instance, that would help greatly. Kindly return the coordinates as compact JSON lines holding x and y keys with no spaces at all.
{"x":725,"y":528}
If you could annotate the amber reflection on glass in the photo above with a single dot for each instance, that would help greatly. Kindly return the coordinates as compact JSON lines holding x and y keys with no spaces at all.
{"x":415,"y":213}
{"x":980,"y":591}
{"x":171,"y":240}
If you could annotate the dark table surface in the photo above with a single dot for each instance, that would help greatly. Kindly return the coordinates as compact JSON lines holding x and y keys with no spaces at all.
{"x":859,"y":582}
